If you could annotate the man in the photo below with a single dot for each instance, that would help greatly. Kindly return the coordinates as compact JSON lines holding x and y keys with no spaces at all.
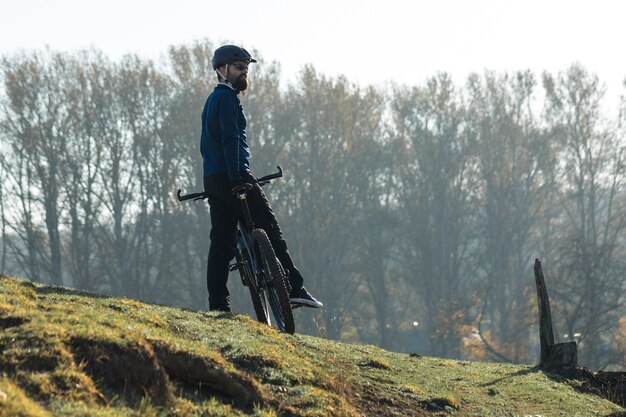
{"x":226,"y":162}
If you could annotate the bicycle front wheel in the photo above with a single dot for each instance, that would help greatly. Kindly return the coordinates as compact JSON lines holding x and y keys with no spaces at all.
{"x":243,"y":260}
{"x":274,"y":293}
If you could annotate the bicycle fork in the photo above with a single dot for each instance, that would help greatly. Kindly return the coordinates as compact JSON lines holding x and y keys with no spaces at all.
{"x":242,"y":261}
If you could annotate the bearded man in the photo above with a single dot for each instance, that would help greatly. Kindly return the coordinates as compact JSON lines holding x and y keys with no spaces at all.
{"x":226,"y":164}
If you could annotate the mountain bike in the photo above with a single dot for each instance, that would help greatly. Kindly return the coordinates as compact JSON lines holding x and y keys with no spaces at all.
{"x":258,"y":266}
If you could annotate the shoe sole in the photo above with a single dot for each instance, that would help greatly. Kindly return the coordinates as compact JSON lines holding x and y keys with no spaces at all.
{"x":301,"y":302}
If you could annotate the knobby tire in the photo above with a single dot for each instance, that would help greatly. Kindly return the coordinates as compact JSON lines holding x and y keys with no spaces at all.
{"x":278,"y":296}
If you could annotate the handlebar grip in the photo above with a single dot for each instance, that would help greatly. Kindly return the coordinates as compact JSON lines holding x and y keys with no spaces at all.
{"x":189,"y":196}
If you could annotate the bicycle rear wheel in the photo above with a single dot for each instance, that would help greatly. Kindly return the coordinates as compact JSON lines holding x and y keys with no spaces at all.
{"x":275,"y":293}
{"x":243,"y":260}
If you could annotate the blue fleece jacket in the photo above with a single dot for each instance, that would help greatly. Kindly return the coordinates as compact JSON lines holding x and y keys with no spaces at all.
{"x":223,"y":140}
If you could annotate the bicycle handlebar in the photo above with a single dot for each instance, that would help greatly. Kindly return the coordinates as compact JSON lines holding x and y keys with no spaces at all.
{"x":201,"y":196}
{"x":264,"y":180}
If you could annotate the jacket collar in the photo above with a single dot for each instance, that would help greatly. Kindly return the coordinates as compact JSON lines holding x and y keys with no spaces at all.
{"x":227,"y":85}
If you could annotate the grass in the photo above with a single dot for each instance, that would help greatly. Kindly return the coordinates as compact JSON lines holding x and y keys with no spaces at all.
{"x":65,"y":352}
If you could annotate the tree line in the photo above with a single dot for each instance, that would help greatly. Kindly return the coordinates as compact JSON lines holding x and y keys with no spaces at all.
{"x":414,"y":212}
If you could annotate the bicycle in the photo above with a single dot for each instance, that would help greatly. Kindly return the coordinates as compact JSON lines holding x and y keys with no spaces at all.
{"x":258,"y":266}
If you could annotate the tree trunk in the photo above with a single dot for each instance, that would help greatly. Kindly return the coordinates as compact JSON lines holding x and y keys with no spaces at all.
{"x":4,"y":235}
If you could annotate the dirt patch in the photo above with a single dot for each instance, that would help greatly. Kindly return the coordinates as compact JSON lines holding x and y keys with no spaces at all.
{"x":30,"y":354}
{"x":140,"y":368}
{"x":199,"y":370}
{"x":439,"y":404}
{"x":131,"y":369}
{"x":8,"y":322}
{"x":253,"y":363}
{"x":613,"y":386}
{"x":372,"y":401}
{"x":608,"y":385}
{"x":374,"y":363}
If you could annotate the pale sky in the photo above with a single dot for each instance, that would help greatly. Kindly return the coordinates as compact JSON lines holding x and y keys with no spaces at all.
{"x":370,"y":42}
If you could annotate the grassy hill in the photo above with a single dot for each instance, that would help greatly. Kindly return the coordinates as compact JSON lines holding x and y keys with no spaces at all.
{"x":65,"y":352}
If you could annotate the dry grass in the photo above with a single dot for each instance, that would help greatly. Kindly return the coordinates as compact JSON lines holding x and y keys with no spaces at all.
{"x":70,"y":353}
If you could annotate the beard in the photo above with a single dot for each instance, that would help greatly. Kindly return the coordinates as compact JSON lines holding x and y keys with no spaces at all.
{"x":240,"y":83}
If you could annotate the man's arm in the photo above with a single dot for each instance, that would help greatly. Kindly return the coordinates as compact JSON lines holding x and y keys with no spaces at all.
{"x":229,"y":132}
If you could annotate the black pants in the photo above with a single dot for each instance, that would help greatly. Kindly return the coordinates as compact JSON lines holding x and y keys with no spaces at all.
{"x":225,"y":210}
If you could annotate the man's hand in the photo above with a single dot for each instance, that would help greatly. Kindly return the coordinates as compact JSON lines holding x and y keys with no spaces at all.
{"x":241,"y":188}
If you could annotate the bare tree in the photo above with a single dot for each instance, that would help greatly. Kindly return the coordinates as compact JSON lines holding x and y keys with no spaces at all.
{"x":514,"y":162}
{"x":3,"y":261}
{"x":433,"y":170}
{"x":591,"y":269}
{"x":377,"y":247}
{"x":322,"y":194}
{"x":35,"y":124}
{"x":117,"y":174}
{"x":83,"y":154}
{"x":27,"y":238}
{"x":192,"y":77}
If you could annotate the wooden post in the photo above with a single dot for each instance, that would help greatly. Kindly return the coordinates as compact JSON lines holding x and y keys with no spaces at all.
{"x":554,"y":357}
{"x":546,"y":333}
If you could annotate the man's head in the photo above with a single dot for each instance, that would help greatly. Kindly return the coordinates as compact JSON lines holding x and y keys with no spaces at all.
{"x":231,"y":64}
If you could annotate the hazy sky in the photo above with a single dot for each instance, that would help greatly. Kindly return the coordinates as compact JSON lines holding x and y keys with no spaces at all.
{"x":368,"y":41}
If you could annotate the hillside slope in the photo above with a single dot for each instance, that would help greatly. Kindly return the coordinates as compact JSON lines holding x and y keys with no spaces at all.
{"x":65,"y":352}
